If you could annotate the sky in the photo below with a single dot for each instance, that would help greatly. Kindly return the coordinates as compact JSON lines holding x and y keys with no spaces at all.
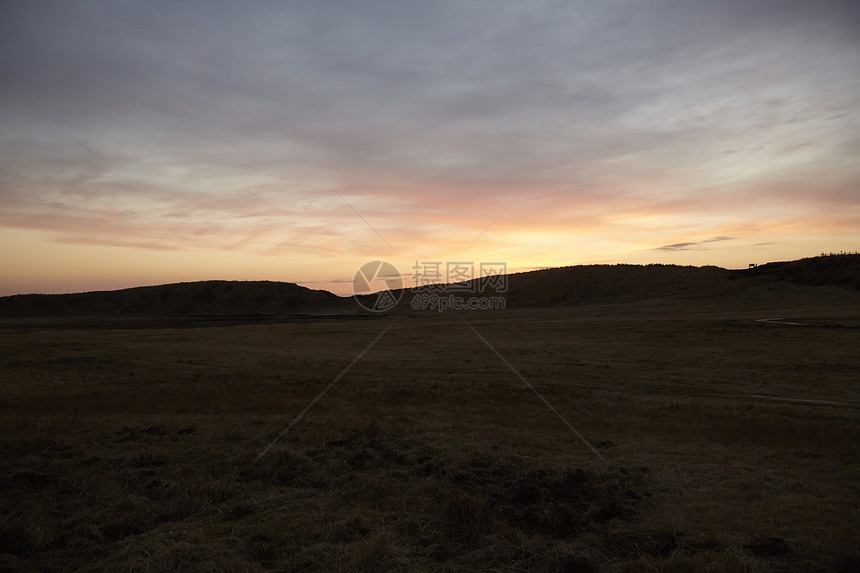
{"x":156,"y":142}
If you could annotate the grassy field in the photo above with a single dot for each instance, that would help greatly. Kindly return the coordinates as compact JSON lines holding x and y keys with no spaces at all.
{"x":137,"y":449}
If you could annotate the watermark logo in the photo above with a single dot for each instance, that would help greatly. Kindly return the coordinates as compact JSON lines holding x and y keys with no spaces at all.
{"x":443,"y":302}
{"x":377,"y":286}
{"x":460,"y":276}
{"x":437,"y":285}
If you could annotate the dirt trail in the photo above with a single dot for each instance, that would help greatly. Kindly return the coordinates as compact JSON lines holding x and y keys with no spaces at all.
{"x":783,"y":321}
{"x":804,"y":401}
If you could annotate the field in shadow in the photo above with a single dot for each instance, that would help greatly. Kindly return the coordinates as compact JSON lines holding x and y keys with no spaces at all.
{"x":725,"y":443}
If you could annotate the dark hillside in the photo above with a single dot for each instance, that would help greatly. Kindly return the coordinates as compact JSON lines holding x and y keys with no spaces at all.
{"x":625,"y":283}
{"x":567,"y":285}
{"x":181,"y":299}
{"x":614,"y":283}
{"x":829,"y":270}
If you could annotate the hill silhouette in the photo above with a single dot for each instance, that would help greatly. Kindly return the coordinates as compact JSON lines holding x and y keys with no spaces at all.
{"x":614,"y":283}
{"x":827,"y":270}
{"x":623,"y":283}
{"x":583,"y":284}
{"x":566,"y":285}
{"x":211,"y":298}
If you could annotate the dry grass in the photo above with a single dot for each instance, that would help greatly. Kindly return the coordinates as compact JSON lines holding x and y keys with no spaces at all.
{"x":135,"y":450}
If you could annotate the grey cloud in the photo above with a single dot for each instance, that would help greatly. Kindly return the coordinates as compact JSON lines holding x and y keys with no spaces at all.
{"x":689,"y":245}
{"x":676,"y":247}
{"x":97,"y":98}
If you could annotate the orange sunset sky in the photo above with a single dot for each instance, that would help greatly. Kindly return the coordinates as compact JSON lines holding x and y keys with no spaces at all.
{"x":146,"y":143}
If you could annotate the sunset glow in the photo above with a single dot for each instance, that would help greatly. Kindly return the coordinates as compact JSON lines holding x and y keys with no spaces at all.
{"x":147,"y":144}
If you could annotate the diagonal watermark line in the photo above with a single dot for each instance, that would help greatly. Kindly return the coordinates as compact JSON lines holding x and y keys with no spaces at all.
{"x":538,"y":394}
{"x":533,"y":182}
{"x":321,"y":394}
{"x":324,"y":180}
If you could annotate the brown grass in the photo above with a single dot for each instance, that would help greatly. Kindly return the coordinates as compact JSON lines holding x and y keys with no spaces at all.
{"x":135,"y":450}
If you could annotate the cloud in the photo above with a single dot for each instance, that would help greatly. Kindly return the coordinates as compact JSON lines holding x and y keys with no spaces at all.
{"x":690,"y":245}
{"x":151,"y":125}
{"x":676,"y":247}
